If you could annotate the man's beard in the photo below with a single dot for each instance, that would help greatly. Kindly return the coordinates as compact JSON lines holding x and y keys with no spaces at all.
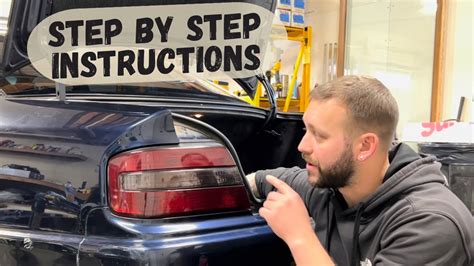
{"x":337,"y":175}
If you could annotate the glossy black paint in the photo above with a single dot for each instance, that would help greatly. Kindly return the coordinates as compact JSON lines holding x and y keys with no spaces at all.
{"x":99,"y":133}
{"x":254,"y":245}
{"x":53,"y":183}
{"x":61,"y":205}
{"x":60,"y":202}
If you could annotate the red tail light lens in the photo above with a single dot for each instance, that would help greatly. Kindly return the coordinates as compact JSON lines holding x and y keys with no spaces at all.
{"x":163,"y":182}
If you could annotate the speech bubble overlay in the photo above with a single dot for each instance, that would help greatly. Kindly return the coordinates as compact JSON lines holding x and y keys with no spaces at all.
{"x":151,"y":43}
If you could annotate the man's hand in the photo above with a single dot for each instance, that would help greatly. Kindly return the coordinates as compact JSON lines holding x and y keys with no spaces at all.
{"x":286,"y":214}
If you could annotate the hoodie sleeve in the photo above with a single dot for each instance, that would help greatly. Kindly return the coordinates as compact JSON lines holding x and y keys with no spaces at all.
{"x":295,"y":177}
{"x":424,"y":238}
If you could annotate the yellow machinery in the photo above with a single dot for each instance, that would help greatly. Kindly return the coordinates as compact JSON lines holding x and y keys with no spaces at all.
{"x":302,"y":35}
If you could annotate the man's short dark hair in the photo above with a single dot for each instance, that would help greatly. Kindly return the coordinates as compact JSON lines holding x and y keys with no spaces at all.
{"x":370,"y":105}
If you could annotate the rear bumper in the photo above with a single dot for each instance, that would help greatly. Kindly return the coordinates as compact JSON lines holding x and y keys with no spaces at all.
{"x":252,"y":245}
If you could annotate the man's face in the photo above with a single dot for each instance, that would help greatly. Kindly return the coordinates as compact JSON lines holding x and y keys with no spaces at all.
{"x":326,"y":150}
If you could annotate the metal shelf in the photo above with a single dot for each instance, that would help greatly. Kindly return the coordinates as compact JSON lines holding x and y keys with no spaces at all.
{"x":304,"y":36}
{"x":46,"y":153}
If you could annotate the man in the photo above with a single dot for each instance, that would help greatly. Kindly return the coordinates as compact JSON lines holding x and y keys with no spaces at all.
{"x":371,"y":203}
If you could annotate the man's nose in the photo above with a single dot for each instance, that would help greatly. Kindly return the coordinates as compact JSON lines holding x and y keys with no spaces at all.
{"x":304,"y":146}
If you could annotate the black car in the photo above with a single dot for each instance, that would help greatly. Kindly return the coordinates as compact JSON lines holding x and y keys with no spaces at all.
{"x":134,"y":174}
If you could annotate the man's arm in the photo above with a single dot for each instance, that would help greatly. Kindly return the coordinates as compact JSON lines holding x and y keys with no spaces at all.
{"x":288,"y":217}
{"x":287,"y":214}
{"x":295,"y":177}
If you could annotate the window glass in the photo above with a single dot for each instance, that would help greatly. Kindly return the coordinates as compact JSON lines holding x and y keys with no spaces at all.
{"x":4,"y":13}
{"x":394,"y":42}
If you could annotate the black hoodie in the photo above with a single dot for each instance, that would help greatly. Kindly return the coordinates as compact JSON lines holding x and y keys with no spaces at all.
{"x":411,"y":219}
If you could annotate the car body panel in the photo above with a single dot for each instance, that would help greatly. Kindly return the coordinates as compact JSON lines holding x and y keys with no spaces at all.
{"x":26,"y":247}
{"x":53,"y":186}
{"x":243,"y":246}
{"x":74,"y":136}
{"x":96,"y":235}
{"x":220,"y":240}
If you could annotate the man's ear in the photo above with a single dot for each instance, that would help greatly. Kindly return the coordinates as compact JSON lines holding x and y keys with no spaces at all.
{"x":367,"y":145}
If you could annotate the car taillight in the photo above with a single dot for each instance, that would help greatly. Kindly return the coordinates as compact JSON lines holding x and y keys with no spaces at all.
{"x":172,"y":181}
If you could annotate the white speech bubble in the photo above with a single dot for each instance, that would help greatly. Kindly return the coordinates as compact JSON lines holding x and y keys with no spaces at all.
{"x":130,"y":39}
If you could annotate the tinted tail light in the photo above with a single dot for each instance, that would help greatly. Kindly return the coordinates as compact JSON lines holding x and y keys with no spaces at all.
{"x":172,"y":181}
